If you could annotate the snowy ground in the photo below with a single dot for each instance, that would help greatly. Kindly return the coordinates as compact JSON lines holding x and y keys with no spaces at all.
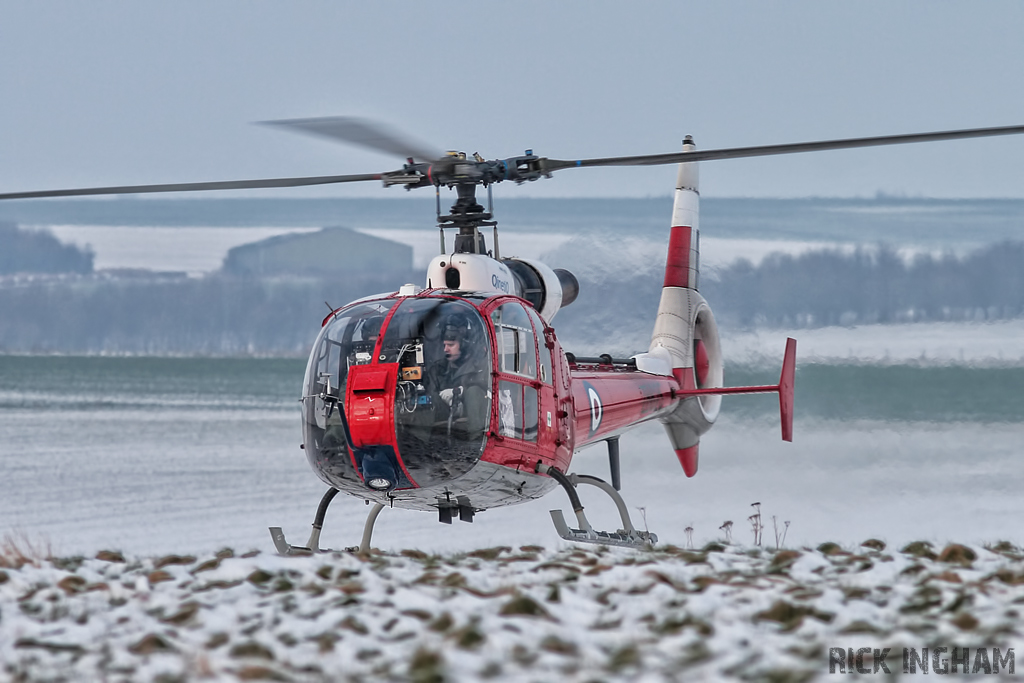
{"x":589,"y":613}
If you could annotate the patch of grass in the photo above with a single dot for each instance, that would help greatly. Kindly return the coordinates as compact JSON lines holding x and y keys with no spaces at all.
{"x":790,"y":616}
{"x":627,"y":656}
{"x":559,"y":647}
{"x":442,"y":623}
{"x":919,"y":549}
{"x":260,"y":673}
{"x":251,"y":650}
{"x":151,"y":643}
{"x":426,"y":666}
{"x":954,"y":553}
{"x":860,"y":627}
{"x":173,"y":559}
{"x":489,"y":553}
{"x":259,"y":577}
{"x":469,"y":637}
{"x":524,"y":606}
{"x":782,"y":561}
{"x":965,"y":621}
{"x":925,"y":598}
{"x":110,"y":556}
{"x":830,"y":548}
{"x":1006,"y":549}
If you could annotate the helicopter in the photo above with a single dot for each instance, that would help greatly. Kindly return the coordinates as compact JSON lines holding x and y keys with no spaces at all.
{"x":457,"y":397}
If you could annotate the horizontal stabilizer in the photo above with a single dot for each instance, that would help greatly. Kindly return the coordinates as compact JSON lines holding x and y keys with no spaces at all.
{"x":785,"y":390}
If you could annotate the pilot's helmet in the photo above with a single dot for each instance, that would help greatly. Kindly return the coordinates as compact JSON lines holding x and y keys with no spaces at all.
{"x":457,"y":328}
{"x":454,"y":333}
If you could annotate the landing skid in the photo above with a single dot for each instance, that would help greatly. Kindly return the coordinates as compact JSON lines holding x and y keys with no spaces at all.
{"x":313,"y":544}
{"x":628,"y":535}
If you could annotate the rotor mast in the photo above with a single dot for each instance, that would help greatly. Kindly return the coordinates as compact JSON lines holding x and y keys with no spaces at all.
{"x":468,"y":215}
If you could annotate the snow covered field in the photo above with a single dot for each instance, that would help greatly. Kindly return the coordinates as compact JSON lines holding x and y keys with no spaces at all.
{"x":723,"y":612}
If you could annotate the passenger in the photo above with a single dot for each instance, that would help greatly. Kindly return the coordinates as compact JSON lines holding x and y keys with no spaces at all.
{"x":458,"y":382}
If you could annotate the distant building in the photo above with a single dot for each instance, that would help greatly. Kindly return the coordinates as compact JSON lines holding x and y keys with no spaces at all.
{"x":331,"y":252}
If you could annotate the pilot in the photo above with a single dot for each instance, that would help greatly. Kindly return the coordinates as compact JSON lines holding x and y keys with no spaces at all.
{"x":459,"y":380}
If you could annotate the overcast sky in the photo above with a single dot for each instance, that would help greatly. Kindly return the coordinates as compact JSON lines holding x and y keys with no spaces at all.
{"x":104,"y":93}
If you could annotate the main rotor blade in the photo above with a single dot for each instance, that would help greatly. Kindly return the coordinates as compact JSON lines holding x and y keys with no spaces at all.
{"x":360,"y":132}
{"x":193,"y":187}
{"x":769,"y":150}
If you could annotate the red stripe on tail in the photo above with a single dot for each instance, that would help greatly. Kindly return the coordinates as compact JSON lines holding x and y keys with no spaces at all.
{"x":677,"y":268}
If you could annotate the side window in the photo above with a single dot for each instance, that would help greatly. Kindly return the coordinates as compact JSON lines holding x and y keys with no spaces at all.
{"x":529,"y":414}
{"x":517,"y":346}
{"x":517,"y":355}
{"x":545,"y":352}
{"x":517,"y":411}
{"x":510,"y":409}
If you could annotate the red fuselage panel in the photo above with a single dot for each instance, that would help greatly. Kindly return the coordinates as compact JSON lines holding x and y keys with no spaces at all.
{"x":607,"y":402}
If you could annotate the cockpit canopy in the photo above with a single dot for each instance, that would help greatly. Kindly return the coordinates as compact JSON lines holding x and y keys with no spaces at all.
{"x":416,"y":401}
{"x":402,"y":393}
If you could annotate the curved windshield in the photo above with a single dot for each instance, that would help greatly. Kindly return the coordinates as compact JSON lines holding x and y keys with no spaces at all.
{"x":348,"y":339}
{"x":442,"y":401}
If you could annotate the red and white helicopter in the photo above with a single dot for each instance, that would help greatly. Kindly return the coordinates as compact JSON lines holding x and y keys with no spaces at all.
{"x":457,"y":397}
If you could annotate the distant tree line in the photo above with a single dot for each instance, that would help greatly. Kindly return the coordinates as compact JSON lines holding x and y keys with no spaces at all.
{"x":814,"y":289}
{"x":221,"y":314}
{"x":37,"y":251}
{"x":831,"y":287}
{"x":215,"y":315}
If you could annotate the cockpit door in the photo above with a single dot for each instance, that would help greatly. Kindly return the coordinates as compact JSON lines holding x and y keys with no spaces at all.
{"x":517,"y":398}
{"x":550,"y":428}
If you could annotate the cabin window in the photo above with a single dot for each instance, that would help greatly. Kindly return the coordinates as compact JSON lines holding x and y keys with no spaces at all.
{"x":544,"y":352}
{"x":517,"y":411}
{"x":517,"y":345}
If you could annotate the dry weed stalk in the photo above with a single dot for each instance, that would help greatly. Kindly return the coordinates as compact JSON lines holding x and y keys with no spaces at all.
{"x":17,"y":550}
{"x":755,"y":523}
{"x":779,"y":542}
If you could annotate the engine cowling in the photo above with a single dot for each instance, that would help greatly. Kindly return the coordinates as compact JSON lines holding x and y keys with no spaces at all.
{"x":545,"y":288}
